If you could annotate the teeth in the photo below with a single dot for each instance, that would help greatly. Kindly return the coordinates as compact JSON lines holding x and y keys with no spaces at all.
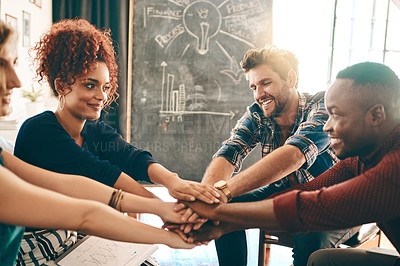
{"x":267,"y":102}
{"x":335,"y":140}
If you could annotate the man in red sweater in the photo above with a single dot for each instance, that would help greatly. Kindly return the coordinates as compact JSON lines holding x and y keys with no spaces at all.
{"x":364,"y":128}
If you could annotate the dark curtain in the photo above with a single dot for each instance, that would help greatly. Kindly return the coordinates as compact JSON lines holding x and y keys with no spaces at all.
{"x":112,"y":14}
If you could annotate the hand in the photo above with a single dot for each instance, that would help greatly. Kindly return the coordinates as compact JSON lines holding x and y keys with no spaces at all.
{"x":203,"y":210}
{"x":171,"y":212}
{"x":175,"y":228}
{"x":191,"y":190}
{"x":206,"y":233}
{"x":175,"y":241}
{"x":190,"y":219}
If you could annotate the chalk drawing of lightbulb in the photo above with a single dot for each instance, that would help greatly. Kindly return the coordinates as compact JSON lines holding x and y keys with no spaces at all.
{"x":202,"y":19}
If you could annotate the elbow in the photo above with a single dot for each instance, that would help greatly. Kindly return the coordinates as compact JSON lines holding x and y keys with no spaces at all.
{"x":87,"y":219}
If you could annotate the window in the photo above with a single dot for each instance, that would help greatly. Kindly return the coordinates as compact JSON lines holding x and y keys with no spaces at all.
{"x":365,"y":30}
{"x":329,"y":35}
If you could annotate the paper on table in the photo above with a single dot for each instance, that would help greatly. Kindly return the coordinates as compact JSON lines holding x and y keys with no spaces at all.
{"x":99,"y":251}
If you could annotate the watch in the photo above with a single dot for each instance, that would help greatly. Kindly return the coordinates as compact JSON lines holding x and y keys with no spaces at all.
{"x":223,"y":186}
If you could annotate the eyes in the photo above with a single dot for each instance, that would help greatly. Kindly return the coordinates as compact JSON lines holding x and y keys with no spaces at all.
{"x":333,"y":114}
{"x":263,"y":84}
{"x":92,"y":85}
{"x":4,"y":62}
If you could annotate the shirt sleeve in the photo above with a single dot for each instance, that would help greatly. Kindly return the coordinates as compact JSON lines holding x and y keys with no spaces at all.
{"x":43,"y":142}
{"x":113,"y":148}
{"x":309,"y":136}
{"x":369,"y":197}
{"x":243,"y":138}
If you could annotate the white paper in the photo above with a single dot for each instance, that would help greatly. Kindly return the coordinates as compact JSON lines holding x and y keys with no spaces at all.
{"x":96,"y":251}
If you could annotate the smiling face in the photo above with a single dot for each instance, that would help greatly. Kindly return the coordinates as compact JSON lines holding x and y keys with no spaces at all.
{"x":86,"y":97}
{"x":269,"y":90}
{"x":348,"y":125}
{"x":8,"y":59}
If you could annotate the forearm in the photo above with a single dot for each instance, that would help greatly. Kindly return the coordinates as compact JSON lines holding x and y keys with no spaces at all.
{"x":128,"y":184}
{"x":72,"y":185}
{"x":219,"y":169}
{"x":84,"y":188}
{"x":132,"y":203}
{"x":33,"y":206}
{"x":258,"y":214}
{"x":160,"y":175}
{"x":273,"y":167}
{"x":120,"y":227}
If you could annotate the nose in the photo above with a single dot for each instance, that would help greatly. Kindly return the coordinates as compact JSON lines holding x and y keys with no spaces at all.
{"x":328,"y":125}
{"x":259,"y":92}
{"x":12,"y":80}
{"x":101,"y":95}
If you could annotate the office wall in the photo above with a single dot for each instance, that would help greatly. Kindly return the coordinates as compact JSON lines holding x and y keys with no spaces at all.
{"x":40,"y":19}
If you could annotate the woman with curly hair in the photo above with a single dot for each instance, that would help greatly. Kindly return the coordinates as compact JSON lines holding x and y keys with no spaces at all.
{"x":78,"y":62}
{"x":32,"y":196}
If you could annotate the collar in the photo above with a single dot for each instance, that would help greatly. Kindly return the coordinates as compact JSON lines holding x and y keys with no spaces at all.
{"x":392,"y":141}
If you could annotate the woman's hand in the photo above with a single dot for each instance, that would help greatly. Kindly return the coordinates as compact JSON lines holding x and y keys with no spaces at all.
{"x":191,"y":190}
{"x":176,"y":241}
{"x":172,"y":212}
{"x":190,"y":220}
{"x":182,"y":189}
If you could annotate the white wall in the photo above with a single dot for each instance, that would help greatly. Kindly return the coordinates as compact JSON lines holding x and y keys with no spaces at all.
{"x":41,"y":18}
{"x":304,"y":28}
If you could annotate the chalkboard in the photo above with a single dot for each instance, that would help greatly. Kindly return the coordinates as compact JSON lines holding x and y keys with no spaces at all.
{"x":188,"y":86}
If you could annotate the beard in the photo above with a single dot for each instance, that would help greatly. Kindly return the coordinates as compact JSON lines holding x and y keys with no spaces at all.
{"x":280,"y":102}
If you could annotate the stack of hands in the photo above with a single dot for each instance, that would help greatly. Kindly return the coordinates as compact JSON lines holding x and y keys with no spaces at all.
{"x":192,"y":217}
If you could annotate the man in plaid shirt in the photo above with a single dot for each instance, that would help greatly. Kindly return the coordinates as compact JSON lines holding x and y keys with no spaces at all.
{"x":288,"y":126}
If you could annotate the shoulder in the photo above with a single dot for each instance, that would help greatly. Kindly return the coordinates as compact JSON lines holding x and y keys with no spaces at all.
{"x":312,"y":101}
{"x":253,"y":113}
{"x":313,"y":106}
{"x":314,"y":98}
{"x":251,"y":119}
{"x":39,"y":122}
{"x":98,"y":128}
{"x":392,"y":158}
{"x":39,"y":131}
{"x":254,"y":109}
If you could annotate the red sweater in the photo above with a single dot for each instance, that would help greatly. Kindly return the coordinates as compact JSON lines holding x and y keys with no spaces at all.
{"x":351,"y":193}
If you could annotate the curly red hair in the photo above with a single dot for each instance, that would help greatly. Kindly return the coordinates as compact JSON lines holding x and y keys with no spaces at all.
{"x":70,"y":48}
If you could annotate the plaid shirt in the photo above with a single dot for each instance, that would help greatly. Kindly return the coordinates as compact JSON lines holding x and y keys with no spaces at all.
{"x":307,"y":134}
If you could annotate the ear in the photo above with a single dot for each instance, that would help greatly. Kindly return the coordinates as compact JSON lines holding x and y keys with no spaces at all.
{"x":376,"y":114}
{"x":292,"y":79}
{"x":61,"y":87}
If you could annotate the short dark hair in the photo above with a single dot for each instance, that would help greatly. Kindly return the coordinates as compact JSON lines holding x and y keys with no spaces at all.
{"x":376,"y":80}
{"x":370,"y":72}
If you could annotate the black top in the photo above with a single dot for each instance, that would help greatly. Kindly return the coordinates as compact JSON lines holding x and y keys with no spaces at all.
{"x":43,"y":142}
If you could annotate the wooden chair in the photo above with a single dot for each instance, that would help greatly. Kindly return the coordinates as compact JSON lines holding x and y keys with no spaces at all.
{"x":368,"y":236}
